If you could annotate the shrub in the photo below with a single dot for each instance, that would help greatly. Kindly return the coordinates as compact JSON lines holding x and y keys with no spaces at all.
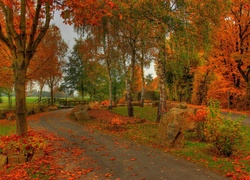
{"x":199,"y":118}
{"x":94,"y":105}
{"x":22,"y":145}
{"x":116,"y":122}
{"x":122,"y":100}
{"x":224,"y":133}
{"x":147,"y":101}
{"x":105,"y":103}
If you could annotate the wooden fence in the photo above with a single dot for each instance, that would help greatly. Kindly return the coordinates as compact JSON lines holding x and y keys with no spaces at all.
{"x":64,"y":103}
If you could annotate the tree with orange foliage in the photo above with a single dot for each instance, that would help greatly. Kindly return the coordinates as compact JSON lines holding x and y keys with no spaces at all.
{"x":231,"y":54}
{"x":46,"y":67}
{"x":21,"y":31}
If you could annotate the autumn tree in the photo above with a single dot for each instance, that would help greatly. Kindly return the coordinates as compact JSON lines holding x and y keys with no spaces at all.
{"x":174,"y":23}
{"x":45,"y":68}
{"x":230,"y":54}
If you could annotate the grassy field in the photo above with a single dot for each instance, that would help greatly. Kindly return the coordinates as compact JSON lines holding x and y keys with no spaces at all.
{"x":4,"y":103}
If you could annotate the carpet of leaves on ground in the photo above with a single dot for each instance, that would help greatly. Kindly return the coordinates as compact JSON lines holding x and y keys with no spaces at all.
{"x":50,"y":167}
{"x":108,"y":117}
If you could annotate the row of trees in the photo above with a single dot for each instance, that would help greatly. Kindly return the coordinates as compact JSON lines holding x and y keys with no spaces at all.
{"x":195,"y":46}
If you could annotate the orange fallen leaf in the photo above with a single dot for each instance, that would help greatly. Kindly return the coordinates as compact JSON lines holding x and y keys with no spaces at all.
{"x":108,"y":175}
{"x":230,"y":174}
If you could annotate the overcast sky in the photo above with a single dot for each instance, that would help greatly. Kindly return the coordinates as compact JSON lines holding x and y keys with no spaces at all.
{"x":67,"y":31}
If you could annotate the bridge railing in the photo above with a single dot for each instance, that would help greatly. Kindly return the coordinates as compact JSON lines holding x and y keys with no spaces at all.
{"x":64,"y":103}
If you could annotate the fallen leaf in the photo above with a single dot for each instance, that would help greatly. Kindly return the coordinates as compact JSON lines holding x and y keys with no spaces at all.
{"x":108,"y":175}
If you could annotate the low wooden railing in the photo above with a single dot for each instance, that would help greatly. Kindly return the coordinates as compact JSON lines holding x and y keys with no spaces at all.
{"x":64,"y":103}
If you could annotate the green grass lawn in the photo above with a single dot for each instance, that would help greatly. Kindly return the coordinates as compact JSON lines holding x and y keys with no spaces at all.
{"x":148,"y":112}
{"x":4,"y":104}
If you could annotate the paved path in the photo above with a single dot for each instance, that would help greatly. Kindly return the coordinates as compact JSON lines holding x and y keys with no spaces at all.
{"x":246,"y":117}
{"x":108,"y":155}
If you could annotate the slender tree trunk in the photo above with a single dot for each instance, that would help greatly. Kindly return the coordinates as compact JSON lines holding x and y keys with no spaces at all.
{"x":114,"y":91}
{"x":248,"y":93}
{"x":9,"y":93}
{"x":129,"y":99}
{"x":129,"y":86}
{"x":110,"y":83}
{"x":20,"y":90}
{"x":162,"y":86}
{"x":143,"y":84}
{"x":110,"y":92}
{"x":51,"y":95}
{"x":41,"y":91}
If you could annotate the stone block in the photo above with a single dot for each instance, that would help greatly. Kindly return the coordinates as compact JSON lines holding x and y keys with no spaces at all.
{"x":16,"y":159}
{"x":3,"y":160}
{"x":82,"y":115}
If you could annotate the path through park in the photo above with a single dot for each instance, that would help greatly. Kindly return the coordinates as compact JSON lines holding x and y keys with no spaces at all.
{"x":108,"y":157}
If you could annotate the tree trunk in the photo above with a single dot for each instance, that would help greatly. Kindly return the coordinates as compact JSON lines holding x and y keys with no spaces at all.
{"x":162,"y":87}
{"x":129,"y":99}
{"x":248,"y":94}
{"x":110,"y":83}
{"x":9,"y":93}
{"x":129,"y":85}
{"x":20,"y":90}
{"x":110,"y":92}
{"x":143,"y":84}
{"x":41,"y":92}
{"x":51,"y":95}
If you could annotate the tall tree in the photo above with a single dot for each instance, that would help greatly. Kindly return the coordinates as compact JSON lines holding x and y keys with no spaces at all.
{"x":130,"y":31}
{"x":46,"y":67}
{"x":21,"y":30}
{"x":231,"y":50}
{"x":74,"y":78}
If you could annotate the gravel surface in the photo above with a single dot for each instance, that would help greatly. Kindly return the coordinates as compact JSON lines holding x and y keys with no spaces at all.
{"x":108,"y":157}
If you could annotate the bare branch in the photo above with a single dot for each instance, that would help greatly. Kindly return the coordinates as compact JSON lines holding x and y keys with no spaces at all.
{"x":35,"y":24}
{"x":23,"y":23}
{"x":42,"y":31}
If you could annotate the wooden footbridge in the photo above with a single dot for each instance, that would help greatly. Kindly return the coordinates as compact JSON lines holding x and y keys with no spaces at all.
{"x":64,"y":103}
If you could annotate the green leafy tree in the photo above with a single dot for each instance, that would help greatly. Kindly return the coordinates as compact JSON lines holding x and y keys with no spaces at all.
{"x":73,"y":70}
